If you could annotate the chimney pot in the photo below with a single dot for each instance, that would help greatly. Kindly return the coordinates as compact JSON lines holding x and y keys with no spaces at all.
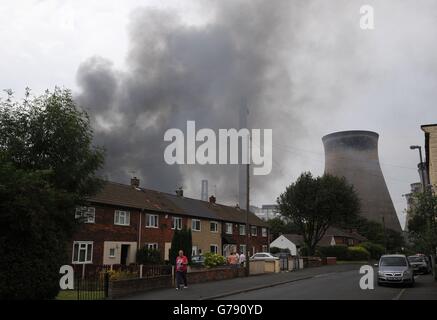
{"x":135,"y":182}
{"x":212,"y":199}
{"x":180,"y":192}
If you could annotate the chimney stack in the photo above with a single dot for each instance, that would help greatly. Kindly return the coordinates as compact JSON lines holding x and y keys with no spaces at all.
{"x":212,"y":199}
{"x":135,"y":182}
{"x":180,"y":192}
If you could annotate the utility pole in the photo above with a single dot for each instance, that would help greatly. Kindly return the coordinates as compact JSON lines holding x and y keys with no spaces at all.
{"x":385,"y":234}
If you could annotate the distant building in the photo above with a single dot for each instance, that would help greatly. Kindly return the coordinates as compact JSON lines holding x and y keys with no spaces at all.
{"x":267,"y":212}
{"x":332,"y":237}
{"x":431,"y":154}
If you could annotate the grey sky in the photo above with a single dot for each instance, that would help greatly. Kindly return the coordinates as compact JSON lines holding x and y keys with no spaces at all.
{"x":304,"y":67}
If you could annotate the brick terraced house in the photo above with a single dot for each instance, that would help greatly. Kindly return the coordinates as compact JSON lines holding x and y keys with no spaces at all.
{"x":120,"y":219}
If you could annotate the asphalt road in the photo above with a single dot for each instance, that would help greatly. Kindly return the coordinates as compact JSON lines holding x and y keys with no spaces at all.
{"x":341,"y":286}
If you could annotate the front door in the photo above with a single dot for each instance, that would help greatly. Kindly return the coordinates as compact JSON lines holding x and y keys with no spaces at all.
{"x":194,"y":251}
{"x":124,"y":254}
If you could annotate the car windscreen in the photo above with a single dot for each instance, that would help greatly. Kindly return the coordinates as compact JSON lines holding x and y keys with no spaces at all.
{"x":415,"y":259}
{"x":393,"y":262}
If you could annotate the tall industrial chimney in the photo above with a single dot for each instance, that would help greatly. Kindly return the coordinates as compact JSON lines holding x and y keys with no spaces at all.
{"x":204,"y":193}
{"x":354,"y":155}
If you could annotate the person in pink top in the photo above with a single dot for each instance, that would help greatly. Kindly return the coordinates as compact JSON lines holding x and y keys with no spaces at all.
{"x":181,"y":270}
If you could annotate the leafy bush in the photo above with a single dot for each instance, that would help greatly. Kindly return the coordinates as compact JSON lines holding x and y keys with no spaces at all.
{"x":275,"y":250}
{"x":148,"y":256}
{"x":214,"y":260}
{"x":375,"y":250}
{"x":338,"y":251}
{"x":120,"y":274}
{"x":357,"y":254}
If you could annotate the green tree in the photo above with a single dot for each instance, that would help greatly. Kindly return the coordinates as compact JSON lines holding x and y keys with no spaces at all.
{"x":189,"y":248}
{"x":47,"y":168}
{"x":278,"y":226}
{"x":422,"y":226}
{"x":315,"y":204}
{"x":175,"y":247}
{"x":182,"y":240}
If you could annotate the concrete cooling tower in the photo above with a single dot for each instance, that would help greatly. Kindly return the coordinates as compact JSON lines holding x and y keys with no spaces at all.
{"x":354,"y":155}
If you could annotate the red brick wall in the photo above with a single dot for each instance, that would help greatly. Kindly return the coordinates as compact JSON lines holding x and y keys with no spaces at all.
{"x":104,"y":230}
{"x":254,"y":241}
{"x":126,"y":287}
{"x":159,"y":235}
{"x":214,"y":275}
{"x":120,"y":288}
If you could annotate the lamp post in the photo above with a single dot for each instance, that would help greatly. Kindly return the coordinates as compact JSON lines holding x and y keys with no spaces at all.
{"x":421,"y":166}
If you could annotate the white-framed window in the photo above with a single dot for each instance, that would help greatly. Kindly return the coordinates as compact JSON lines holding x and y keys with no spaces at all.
{"x":195,"y":225}
{"x":112,"y":252}
{"x":228,"y":227}
{"x":176,"y":223}
{"x":152,"y":246}
{"x":213,"y":226}
{"x":213,"y":248}
{"x":253,"y":230}
{"x":264,"y":232}
{"x":264,"y":248}
{"x":152,"y":220}
{"x":86,"y":214}
{"x":82,"y":252}
{"x":242,"y":230}
{"x":243,"y":248}
{"x":122,"y":218}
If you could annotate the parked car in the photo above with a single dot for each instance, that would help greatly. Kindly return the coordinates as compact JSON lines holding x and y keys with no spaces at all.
{"x":198,"y":260}
{"x":420,"y":264}
{"x":395,"y":268}
{"x":263,"y":256}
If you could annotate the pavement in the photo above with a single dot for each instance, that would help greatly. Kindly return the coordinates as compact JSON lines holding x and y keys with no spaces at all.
{"x":336,"y":282}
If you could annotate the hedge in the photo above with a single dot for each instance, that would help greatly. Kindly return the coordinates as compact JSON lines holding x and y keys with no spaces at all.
{"x":375,"y":250}
{"x":275,"y":250}
{"x":357,"y":254}
{"x":343,"y":252}
{"x":338,"y":251}
{"x":148,"y":256}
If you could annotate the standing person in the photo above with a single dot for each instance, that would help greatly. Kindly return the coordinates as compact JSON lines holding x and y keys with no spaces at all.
{"x":232,"y":260}
{"x":242,"y":259}
{"x":237,"y":256}
{"x":181,"y":270}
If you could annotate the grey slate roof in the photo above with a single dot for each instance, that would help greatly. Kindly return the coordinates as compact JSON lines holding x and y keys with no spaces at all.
{"x":140,"y":198}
